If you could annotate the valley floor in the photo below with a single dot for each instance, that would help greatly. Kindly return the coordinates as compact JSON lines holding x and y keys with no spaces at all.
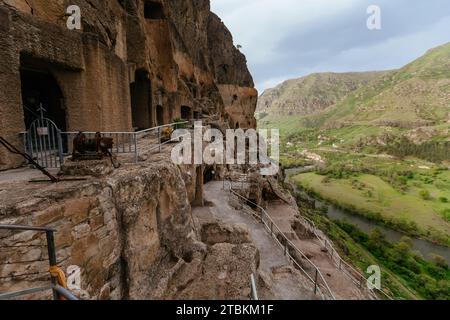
{"x":370,"y":194}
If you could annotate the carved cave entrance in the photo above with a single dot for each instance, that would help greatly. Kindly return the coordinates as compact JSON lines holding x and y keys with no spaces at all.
{"x":160,"y":115}
{"x":39,"y":88}
{"x":208,"y":174}
{"x":141,"y":101}
{"x":196,"y":115}
{"x":186,"y":113}
{"x":153,"y":10}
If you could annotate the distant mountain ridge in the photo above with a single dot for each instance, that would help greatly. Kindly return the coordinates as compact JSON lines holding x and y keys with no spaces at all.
{"x":417,"y":95}
{"x":414,"y":97}
{"x":316,"y":92}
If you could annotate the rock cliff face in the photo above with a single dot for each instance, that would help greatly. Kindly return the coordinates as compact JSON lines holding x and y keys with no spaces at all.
{"x":131,"y":233}
{"x":133,"y":64}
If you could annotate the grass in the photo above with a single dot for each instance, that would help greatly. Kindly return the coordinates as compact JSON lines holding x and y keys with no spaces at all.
{"x":362,"y":258}
{"x":368,"y":194}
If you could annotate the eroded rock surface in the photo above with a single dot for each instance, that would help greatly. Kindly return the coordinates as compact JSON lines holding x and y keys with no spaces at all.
{"x":134,"y":64}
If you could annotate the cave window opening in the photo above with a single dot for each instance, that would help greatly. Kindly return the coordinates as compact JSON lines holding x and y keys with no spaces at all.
{"x":153,"y":10}
{"x":141,"y":101}
{"x":196,"y":115}
{"x":186,"y":113}
{"x":40,"y":88}
{"x":208,"y":175}
{"x":160,"y":115}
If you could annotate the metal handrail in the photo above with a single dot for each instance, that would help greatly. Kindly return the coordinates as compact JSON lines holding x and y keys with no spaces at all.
{"x":254,"y":291}
{"x":132,"y":137}
{"x":130,"y":132}
{"x":58,"y":291}
{"x":126,"y":142}
{"x":65,"y":293}
{"x":61,"y":291}
{"x":340,"y":263}
{"x":162,"y":127}
{"x":273,"y":227}
{"x":11,"y":295}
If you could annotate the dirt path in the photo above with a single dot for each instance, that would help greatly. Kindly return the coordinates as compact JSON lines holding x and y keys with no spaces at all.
{"x":286,"y":285}
{"x":341,"y":286}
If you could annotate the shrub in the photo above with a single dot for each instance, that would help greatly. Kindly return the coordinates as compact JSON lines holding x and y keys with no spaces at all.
{"x":425,"y":194}
{"x":443,"y":199}
{"x":440,"y":261}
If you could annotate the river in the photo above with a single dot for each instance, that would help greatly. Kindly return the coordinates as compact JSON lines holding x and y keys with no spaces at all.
{"x":426,"y":248}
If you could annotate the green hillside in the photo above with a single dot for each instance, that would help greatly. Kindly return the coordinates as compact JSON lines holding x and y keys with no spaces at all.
{"x":312,"y":93}
{"x":382,"y":150}
{"x":411,"y":103}
{"x":415,"y":96}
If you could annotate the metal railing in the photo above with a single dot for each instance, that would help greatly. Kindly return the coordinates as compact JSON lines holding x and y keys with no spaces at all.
{"x":313,"y":273}
{"x":254,"y":291}
{"x":43,"y":142}
{"x":354,"y":275}
{"x":127,"y":142}
{"x":58,"y":291}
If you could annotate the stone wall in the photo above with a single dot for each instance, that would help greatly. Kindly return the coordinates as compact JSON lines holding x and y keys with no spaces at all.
{"x":113,"y":228}
{"x":131,"y":233}
{"x":188,"y":56}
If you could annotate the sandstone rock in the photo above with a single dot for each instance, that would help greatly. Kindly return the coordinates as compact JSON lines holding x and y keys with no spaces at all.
{"x":213,"y":233}
{"x":95,"y":168}
{"x":225,"y":273}
{"x":125,"y":228}
{"x":264,"y":280}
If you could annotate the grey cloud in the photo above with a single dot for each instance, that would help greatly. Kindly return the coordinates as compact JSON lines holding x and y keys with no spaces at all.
{"x":341,"y":41}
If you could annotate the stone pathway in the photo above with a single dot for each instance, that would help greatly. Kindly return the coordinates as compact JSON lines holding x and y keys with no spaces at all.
{"x":286,"y":283}
{"x":341,"y":286}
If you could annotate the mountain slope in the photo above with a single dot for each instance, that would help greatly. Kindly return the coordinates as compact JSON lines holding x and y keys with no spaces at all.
{"x":412,"y":102}
{"x":312,"y":93}
{"x":415,"y":96}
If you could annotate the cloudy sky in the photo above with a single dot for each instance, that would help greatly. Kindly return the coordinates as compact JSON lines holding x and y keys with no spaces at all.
{"x":285,"y":39}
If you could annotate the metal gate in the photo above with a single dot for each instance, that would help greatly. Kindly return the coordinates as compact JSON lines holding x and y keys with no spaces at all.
{"x":43,"y":143}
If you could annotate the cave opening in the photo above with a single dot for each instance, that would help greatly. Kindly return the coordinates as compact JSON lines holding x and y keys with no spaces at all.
{"x":160,"y":115}
{"x":39,"y":88}
{"x":208,"y":175}
{"x":196,"y":115}
{"x":186,"y":113}
{"x":153,"y":10}
{"x":141,"y":100}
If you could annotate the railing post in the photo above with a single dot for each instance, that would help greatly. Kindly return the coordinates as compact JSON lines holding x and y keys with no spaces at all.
{"x":253,"y":288}
{"x":315,"y":281}
{"x":60,"y":148}
{"x":136,"y":152}
{"x":52,"y":259}
{"x":159,"y":139}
